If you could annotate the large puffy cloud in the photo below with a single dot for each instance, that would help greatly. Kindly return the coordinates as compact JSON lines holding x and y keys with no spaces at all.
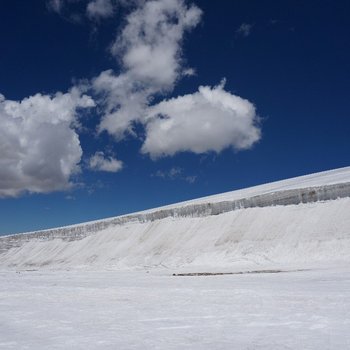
{"x":123,"y":103}
{"x":211,"y":119}
{"x":150,"y":43}
{"x":39,"y":147}
{"x":149,"y":49}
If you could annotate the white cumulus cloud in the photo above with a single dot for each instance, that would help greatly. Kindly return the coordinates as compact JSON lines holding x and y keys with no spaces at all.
{"x":39,"y":147}
{"x":211,"y":119}
{"x":99,"y":162}
{"x":123,"y":103}
{"x":150,"y":43}
{"x":149,"y":49}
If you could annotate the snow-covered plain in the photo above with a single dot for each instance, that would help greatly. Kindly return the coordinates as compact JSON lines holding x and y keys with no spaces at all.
{"x":109,"y":284}
{"x":137,"y":310}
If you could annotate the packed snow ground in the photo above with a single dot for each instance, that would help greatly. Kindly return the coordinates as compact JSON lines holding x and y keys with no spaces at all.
{"x":138,"y":310}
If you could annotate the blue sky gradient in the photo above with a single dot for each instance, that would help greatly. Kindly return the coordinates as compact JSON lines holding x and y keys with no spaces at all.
{"x":290,"y":59}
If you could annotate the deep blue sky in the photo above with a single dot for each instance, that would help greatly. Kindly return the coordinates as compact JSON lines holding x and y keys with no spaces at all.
{"x":294,"y":65}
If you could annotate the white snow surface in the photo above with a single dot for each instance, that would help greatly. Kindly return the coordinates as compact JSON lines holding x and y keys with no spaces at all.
{"x":109,"y":310}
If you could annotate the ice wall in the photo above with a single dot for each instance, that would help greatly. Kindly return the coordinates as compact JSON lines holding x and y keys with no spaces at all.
{"x":295,"y":236}
{"x":310,"y":224}
{"x":287,"y":197}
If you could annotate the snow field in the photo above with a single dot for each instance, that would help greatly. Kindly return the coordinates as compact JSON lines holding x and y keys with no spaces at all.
{"x":137,"y":310}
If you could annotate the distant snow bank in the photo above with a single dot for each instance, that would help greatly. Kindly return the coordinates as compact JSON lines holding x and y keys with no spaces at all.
{"x":273,"y":224}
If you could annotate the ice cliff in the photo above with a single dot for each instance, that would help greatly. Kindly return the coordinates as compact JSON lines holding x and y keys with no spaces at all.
{"x":220,"y":230}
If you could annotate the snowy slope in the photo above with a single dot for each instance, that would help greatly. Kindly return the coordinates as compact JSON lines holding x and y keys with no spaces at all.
{"x":296,"y":222}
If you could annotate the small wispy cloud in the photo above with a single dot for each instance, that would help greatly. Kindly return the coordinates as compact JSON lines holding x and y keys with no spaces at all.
{"x":99,"y":162}
{"x":70,"y":198}
{"x":55,"y":5}
{"x":190,"y":179}
{"x":100,"y":9}
{"x":244,"y":29}
{"x":175,"y":173}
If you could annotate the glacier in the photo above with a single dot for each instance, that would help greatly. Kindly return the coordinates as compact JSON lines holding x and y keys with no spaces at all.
{"x":304,"y":220}
{"x":265,"y":268}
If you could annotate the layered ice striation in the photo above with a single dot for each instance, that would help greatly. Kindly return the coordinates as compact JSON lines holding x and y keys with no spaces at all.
{"x":287,"y":197}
